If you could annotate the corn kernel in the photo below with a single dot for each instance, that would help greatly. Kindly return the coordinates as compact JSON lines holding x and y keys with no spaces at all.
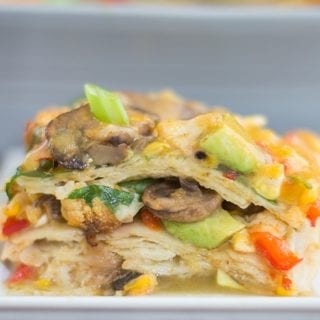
{"x":241,"y":242}
{"x":280,"y":291}
{"x":299,"y":191}
{"x":265,"y":135}
{"x":281,"y":151}
{"x":43,"y":284}
{"x":272,"y":171}
{"x":12,"y":210}
{"x":291,"y":192}
{"x":309,"y":196}
{"x":142,"y":285}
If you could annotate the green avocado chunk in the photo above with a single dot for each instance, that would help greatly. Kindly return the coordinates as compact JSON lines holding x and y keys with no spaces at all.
{"x":232,"y":150}
{"x":224,"y":280}
{"x":209,"y":233}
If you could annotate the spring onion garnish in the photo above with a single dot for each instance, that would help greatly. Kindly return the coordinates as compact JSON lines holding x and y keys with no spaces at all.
{"x":105,"y":105}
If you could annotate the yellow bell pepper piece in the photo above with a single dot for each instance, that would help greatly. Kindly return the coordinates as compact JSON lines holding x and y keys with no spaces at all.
{"x":12,"y":210}
{"x":140,"y":286}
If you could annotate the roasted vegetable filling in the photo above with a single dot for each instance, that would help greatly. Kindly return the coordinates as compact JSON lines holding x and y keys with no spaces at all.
{"x":125,"y":190}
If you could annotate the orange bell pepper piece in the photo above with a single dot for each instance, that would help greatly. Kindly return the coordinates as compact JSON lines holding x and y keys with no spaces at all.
{"x":274,"y":250}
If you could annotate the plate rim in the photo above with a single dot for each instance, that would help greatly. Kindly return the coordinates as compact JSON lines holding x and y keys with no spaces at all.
{"x":163,"y":303}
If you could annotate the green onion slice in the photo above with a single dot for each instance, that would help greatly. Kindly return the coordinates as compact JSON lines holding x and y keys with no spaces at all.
{"x":106,"y":106}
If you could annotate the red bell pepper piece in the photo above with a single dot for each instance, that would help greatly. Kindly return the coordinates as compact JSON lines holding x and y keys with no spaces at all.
{"x":313,"y":213}
{"x":286,"y":282}
{"x":230,"y":174}
{"x":22,"y":273}
{"x":274,"y":250}
{"x":13,"y":225}
{"x":150,"y":221}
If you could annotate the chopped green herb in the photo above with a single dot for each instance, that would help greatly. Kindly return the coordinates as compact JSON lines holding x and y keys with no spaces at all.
{"x":112,"y":198}
{"x":138,"y":186}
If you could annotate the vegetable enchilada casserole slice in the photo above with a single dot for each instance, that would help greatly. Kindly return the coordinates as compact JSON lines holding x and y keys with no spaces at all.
{"x":127,"y":191}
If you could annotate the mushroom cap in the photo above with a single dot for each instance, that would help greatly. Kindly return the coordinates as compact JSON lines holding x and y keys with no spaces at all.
{"x":182,"y":201}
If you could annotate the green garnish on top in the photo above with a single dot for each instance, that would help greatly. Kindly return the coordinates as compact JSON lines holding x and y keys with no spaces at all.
{"x":105,"y":105}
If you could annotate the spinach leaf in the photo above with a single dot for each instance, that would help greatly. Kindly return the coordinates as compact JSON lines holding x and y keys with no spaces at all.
{"x":112,"y":198}
{"x":20,"y":173}
{"x":137,"y":186}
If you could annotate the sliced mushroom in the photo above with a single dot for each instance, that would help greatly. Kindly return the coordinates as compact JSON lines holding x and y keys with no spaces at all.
{"x":66,"y":138}
{"x":182,"y":201}
{"x":252,"y":209}
{"x":107,"y":154}
{"x":77,"y":139}
{"x":51,"y":205}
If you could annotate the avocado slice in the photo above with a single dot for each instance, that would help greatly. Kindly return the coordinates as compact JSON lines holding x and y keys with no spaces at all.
{"x":224,"y":280}
{"x":232,"y":149}
{"x":208,"y":233}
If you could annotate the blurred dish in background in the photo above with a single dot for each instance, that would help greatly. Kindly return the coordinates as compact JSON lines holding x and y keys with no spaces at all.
{"x":166,"y":2}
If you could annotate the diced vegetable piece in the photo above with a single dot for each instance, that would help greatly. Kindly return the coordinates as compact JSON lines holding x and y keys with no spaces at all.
{"x":140,"y":286}
{"x":13,"y":225}
{"x":10,"y":184}
{"x":232,"y":150}
{"x":285,"y":288}
{"x":22,"y":273}
{"x":268,"y":180}
{"x":150,"y":221}
{"x":241,"y":242}
{"x":299,"y":190}
{"x":43,"y":284}
{"x":209,"y":233}
{"x":138,"y":186}
{"x":12,"y":209}
{"x":124,"y":277}
{"x":275,"y":250}
{"x":282,"y":292}
{"x":106,"y":106}
{"x":286,"y":282}
{"x":224,"y":280}
{"x":231,"y":175}
{"x":314,"y":213}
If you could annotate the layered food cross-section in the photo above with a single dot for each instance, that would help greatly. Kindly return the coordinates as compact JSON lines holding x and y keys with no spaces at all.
{"x":125,"y":191}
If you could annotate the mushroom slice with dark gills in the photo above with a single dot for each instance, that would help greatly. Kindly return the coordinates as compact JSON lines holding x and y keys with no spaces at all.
{"x":77,"y":139}
{"x":180,"y":201}
{"x":51,"y":206}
